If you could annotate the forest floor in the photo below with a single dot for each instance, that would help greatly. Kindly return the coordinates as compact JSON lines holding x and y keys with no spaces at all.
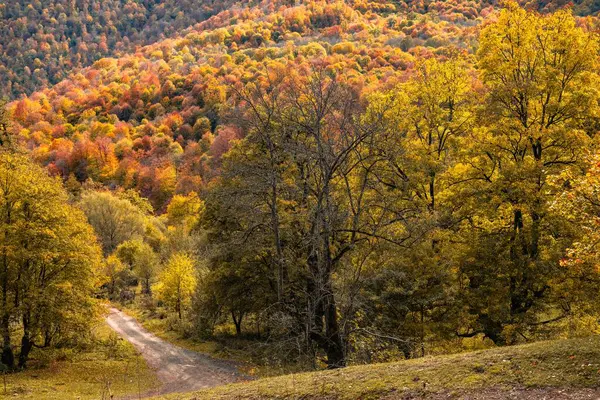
{"x":560,"y":369}
{"x":178,"y":369}
{"x":104,"y":368}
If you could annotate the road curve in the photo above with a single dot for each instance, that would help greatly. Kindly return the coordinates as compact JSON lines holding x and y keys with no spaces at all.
{"x":178,"y":369}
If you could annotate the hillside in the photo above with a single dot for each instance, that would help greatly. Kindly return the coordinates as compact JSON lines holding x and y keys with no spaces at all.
{"x":562,"y":369}
{"x":156,"y":120}
{"x":308,"y":185}
{"x":42,"y":42}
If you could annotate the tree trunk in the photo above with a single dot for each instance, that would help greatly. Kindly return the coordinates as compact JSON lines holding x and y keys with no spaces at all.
{"x":492,"y":330}
{"x":146,"y":289}
{"x":237,"y":322}
{"x":8,"y":357}
{"x":26,"y":343}
{"x":325,"y":330}
{"x":335,"y":347}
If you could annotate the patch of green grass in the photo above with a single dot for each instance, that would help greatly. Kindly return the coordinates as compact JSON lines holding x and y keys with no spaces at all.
{"x":109,"y":366}
{"x":573,"y":363}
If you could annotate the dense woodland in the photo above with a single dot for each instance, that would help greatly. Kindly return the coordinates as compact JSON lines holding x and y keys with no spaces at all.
{"x":338,"y":182}
{"x":42,"y":42}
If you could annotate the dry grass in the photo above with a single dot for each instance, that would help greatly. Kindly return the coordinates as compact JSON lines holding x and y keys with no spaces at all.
{"x":110,"y":366}
{"x":565,"y":364}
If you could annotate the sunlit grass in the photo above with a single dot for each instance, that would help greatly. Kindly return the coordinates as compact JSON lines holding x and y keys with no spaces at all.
{"x":573,"y":363}
{"x":111,"y":366}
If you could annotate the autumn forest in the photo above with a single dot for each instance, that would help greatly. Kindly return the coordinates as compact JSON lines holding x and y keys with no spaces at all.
{"x":297,"y":185}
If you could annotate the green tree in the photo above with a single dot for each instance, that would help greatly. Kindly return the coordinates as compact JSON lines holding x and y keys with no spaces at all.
{"x":112,"y":271}
{"x":141,"y":259}
{"x":115,"y":220}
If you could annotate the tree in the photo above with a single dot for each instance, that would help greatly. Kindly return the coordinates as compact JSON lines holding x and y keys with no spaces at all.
{"x":422,"y":123}
{"x":49,"y":259}
{"x":185,"y":211}
{"x":112,"y":272}
{"x":293,"y":191}
{"x":114,"y":220}
{"x":579,"y":204}
{"x":141,"y":259}
{"x":4,"y":136}
{"x":539,"y":73}
{"x":177,"y":282}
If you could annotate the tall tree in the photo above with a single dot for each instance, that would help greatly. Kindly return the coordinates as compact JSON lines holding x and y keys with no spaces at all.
{"x":291,"y":189}
{"x":49,"y":259}
{"x":422,"y":123}
{"x":540,"y":78}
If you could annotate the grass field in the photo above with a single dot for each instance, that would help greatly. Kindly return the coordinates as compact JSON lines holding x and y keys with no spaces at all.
{"x":567,"y":364}
{"x":110,"y":366}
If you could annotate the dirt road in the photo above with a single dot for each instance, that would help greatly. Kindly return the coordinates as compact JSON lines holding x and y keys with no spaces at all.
{"x":178,"y":369}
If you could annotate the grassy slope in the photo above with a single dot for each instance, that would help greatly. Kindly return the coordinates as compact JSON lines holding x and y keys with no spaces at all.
{"x":85,"y":375}
{"x":573,"y":363}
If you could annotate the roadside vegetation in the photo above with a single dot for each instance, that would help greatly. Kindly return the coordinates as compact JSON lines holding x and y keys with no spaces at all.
{"x":99,"y":368}
{"x":252,"y":357}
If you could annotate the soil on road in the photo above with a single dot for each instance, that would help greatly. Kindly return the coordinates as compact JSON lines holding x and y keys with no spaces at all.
{"x":178,"y":369}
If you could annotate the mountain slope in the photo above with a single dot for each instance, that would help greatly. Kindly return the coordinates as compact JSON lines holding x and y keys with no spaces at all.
{"x":156,"y":119}
{"x":42,"y":41}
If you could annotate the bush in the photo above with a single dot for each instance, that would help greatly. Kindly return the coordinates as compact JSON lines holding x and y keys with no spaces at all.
{"x":182,"y":327}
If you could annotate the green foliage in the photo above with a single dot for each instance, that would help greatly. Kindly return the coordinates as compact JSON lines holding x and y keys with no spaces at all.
{"x":114,"y":220}
{"x":113,"y":275}
{"x":141,"y":260}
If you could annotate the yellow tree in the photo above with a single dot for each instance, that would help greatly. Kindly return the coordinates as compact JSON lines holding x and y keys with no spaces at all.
{"x":112,"y":271}
{"x":423,"y":123}
{"x":177,"y":283}
{"x":539,"y":73}
{"x":185,"y":211}
{"x":48,"y":259}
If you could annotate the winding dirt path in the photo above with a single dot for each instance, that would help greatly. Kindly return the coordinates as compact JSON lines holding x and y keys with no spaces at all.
{"x":178,"y":369}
